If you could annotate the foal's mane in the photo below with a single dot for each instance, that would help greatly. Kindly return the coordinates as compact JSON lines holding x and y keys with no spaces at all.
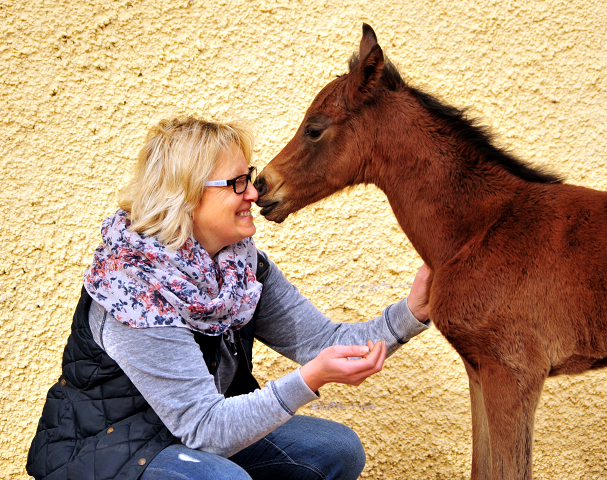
{"x":467,"y":129}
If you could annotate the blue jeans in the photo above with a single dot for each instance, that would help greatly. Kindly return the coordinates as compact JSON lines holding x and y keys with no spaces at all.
{"x":304,"y":448}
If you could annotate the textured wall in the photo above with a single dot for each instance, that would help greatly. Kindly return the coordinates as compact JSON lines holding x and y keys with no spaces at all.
{"x":81,"y":82}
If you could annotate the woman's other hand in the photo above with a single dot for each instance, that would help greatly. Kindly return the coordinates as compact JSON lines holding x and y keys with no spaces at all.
{"x":332,"y":364}
{"x":420,"y":294}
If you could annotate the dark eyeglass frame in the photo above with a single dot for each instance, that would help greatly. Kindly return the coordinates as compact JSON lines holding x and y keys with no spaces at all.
{"x":249,"y":177}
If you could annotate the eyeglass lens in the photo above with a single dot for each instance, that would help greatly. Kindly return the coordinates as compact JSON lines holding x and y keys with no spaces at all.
{"x":242,"y":182}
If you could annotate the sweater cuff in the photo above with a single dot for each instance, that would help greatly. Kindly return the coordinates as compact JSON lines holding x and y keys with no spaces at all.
{"x":292,"y":392}
{"x":402,"y":323}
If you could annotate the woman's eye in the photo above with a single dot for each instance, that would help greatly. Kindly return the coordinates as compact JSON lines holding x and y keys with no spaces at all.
{"x":313,"y":133}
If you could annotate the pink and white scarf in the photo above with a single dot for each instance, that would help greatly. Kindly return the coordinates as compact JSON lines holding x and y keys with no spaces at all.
{"x":143,"y":284}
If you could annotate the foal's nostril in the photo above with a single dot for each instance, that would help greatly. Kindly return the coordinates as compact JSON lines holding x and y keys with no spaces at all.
{"x":261,"y":186}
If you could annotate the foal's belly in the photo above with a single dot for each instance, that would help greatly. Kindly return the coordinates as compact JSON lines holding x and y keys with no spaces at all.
{"x":524,"y":341}
{"x":577,"y":364}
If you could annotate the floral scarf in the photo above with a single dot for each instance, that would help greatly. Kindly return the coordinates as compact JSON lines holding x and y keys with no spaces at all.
{"x":143,"y":284}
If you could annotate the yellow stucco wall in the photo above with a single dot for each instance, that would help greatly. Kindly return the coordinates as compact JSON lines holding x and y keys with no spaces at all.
{"x":81,"y":82}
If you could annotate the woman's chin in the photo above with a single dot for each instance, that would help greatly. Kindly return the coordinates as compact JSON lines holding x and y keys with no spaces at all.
{"x":246,"y":222}
{"x":247,"y":231}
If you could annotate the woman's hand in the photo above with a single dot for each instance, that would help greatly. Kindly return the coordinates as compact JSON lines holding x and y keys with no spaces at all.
{"x":332,"y":365}
{"x":420,"y":294}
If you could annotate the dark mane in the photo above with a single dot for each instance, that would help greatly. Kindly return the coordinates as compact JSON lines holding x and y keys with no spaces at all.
{"x":478,"y":136}
{"x":465,"y":128}
{"x":390,"y":75}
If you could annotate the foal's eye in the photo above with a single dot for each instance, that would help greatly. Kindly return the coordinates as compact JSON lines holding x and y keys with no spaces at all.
{"x":314,"y":132}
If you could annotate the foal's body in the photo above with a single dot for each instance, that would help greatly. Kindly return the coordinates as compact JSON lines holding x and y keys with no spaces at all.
{"x":519,"y":259}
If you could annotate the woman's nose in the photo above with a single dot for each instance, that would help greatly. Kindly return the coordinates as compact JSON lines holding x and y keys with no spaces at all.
{"x":250,"y":194}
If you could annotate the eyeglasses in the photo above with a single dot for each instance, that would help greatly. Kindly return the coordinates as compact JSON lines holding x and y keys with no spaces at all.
{"x":239,"y":183}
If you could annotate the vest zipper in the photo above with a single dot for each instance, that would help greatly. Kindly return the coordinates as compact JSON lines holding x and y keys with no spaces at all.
{"x":246,"y":359}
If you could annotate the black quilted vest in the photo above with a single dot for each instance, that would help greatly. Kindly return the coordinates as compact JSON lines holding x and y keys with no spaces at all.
{"x":95,"y":424}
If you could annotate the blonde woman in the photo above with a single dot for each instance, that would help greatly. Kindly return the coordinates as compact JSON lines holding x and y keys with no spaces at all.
{"x":156,"y":380}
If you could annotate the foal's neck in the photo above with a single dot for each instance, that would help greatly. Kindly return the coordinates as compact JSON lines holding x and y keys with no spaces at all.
{"x":440,"y":201}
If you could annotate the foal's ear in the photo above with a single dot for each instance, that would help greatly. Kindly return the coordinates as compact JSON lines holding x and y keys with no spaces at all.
{"x":368,"y":40}
{"x":363,"y":79}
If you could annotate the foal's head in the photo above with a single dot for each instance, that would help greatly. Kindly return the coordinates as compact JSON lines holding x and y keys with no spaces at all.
{"x":327,"y":152}
{"x":361,"y":120}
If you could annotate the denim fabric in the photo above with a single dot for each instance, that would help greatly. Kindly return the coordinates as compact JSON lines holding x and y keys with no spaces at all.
{"x":304,"y":448}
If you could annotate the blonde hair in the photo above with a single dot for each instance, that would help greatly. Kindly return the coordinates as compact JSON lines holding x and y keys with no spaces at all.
{"x":176,"y":160}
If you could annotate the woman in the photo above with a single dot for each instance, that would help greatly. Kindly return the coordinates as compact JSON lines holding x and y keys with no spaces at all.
{"x":156,"y":380}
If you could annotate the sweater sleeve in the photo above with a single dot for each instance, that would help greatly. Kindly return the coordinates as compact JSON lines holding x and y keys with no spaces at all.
{"x":290,"y":324}
{"x":167,"y":367}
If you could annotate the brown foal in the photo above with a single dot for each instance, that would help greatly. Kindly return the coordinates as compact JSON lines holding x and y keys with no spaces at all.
{"x":519,"y":259}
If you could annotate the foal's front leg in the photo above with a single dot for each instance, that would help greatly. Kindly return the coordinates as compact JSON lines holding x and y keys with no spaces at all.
{"x":481,"y":446}
{"x":510,"y":402}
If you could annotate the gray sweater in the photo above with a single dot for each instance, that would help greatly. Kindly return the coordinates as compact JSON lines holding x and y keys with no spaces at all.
{"x":167,"y":366}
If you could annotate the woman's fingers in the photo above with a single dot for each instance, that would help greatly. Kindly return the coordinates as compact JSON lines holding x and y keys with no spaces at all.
{"x":377,"y":362}
{"x":370,"y":363}
{"x":420,"y":294}
{"x":377,"y":356}
{"x":375,"y":351}
{"x":333,"y":364}
{"x":345,"y":351}
{"x":381,"y":356}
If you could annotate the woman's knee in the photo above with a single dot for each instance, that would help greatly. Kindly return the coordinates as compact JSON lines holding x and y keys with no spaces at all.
{"x":338,"y":450}
{"x":178,"y":462}
{"x":349,"y":453}
{"x":305,"y":448}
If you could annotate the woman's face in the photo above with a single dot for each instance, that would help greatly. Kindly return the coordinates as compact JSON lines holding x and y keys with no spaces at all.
{"x":224,"y":217}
